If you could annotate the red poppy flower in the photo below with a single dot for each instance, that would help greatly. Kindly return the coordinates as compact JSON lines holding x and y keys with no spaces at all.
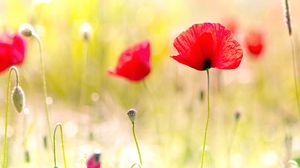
{"x":12,"y":50}
{"x":255,"y":42}
{"x":134,"y":62}
{"x":208,"y":45}
{"x":94,"y":161}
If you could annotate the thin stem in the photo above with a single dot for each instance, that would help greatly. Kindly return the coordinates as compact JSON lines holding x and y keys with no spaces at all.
{"x":136,"y":164}
{"x":83,"y":75}
{"x":207,"y":120}
{"x":136,"y":143}
{"x":44,"y":85}
{"x":231,"y":140}
{"x":12,"y":69}
{"x":288,"y":148}
{"x":59,"y":125}
{"x":295,"y":73}
{"x":146,"y":86}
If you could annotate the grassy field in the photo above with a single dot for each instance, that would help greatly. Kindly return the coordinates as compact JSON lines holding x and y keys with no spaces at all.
{"x":171,"y":102}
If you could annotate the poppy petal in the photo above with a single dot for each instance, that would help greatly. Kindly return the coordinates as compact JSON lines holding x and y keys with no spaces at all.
{"x":230,"y":53}
{"x":134,"y":62}
{"x":208,"y":45}
{"x":12,"y":50}
{"x":18,"y":49}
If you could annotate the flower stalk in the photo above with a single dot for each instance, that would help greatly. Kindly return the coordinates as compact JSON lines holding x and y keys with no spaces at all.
{"x":44,"y":85}
{"x":86,"y":37}
{"x":132,"y":115}
{"x":237,"y":117}
{"x":207,"y":122}
{"x":59,"y":126}
{"x":28,"y":31}
{"x":136,"y":143}
{"x":19,"y":100}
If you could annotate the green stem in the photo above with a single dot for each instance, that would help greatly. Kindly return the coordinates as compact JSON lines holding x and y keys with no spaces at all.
{"x":207,"y":120}
{"x":136,"y":164}
{"x":44,"y":86}
{"x":136,"y":143}
{"x":295,"y":73}
{"x":231,"y":140}
{"x":59,"y":125}
{"x":12,"y":69}
{"x":83,"y":75}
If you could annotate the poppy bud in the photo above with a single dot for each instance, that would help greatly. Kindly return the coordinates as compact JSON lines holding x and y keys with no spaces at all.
{"x":131,"y":114}
{"x":237,"y":116}
{"x":85,"y":31}
{"x":18,"y":98}
{"x":94,"y":161}
{"x":27,"y":156}
{"x":91,"y":136}
{"x":26,"y":30}
{"x":97,"y":157}
{"x":45,"y":142}
{"x":201,"y":95}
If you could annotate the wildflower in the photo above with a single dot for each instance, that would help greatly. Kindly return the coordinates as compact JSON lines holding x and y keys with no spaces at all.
{"x":255,"y":42}
{"x":205,"y":46}
{"x":134,"y":62}
{"x":12,"y":50}
{"x":208,"y":45}
{"x":94,"y":161}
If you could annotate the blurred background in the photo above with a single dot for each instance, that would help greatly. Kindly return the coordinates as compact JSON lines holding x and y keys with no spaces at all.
{"x":171,"y":102}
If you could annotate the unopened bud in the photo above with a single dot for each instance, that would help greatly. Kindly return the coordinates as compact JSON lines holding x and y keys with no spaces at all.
{"x":45,"y":142}
{"x":237,"y":115}
{"x":97,"y":157}
{"x":131,"y":114}
{"x":27,"y":156}
{"x":18,"y":99}
{"x":26,"y":30}
{"x":85,"y":31}
{"x":201,"y":95}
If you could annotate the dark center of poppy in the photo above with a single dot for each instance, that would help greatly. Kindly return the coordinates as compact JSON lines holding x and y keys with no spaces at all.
{"x":206,"y":64}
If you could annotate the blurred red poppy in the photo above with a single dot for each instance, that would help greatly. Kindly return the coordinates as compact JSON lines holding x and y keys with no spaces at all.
{"x":134,"y":62}
{"x":232,"y":25}
{"x":255,"y":42}
{"x":94,"y":161}
{"x":12,"y":50}
{"x":208,"y":45}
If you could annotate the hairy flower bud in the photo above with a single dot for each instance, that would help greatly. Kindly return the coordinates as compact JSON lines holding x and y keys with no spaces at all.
{"x":97,"y":157}
{"x":85,"y":31}
{"x":201,"y":95}
{"x":26,"y":30}
{"x":237,"y":115}
{"x":131,"y":114}
{"x":27,"y":156}
{"x":18,"y":98}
